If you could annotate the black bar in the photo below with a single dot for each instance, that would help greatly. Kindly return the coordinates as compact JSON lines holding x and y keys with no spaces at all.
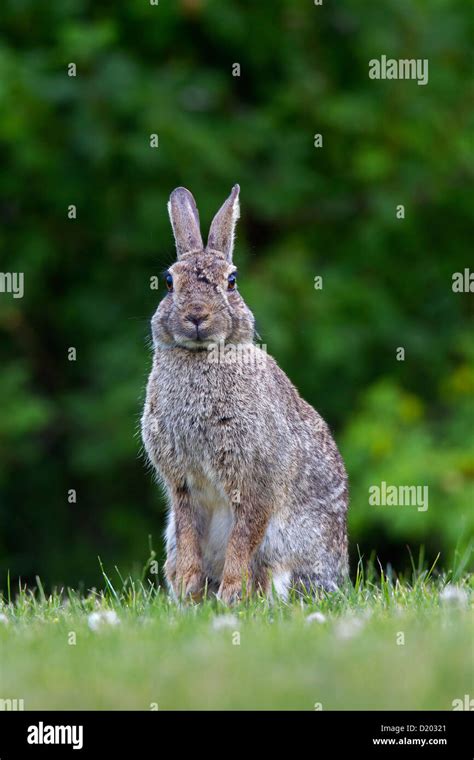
{"x":323,"y":734}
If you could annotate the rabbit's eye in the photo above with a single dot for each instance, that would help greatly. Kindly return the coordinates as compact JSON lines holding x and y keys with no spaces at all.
{"x":231,"y":280}
{"x":169,"y":281}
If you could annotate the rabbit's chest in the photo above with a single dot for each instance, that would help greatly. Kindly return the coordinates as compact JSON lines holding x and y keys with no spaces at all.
{"x":202,"y":439}
{"x":200,"y":418}
{"x":200,"y":421}
{"x":198,"y":442}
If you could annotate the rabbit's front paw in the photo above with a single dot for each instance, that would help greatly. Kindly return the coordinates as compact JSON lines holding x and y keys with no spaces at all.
{"x":190,"y":585}
{"x":230,"y":592}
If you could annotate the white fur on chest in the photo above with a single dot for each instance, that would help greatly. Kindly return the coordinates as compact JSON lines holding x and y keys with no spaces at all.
{"x":208,"y":495}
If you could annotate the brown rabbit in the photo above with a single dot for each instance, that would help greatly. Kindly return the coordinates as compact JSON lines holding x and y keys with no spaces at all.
{"x":257,"y":489}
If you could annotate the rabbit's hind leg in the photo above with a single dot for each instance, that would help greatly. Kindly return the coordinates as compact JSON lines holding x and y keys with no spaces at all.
{"x":309,"y":584}
{"x":270,"y":581}
{"x":281,"y":582}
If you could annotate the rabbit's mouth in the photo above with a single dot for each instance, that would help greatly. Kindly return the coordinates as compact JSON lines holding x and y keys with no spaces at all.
{"x":198,"y":330}
{"x":194,"y":345}
{"x":198,"y":342}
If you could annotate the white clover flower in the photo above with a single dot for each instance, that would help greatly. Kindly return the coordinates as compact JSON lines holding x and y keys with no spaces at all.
{"x":97,"y":620}
{"x":3,"y":619}
{"x":225,"y":621}
{"x":316,"y":617}
{"x":454,"y":596}
{"x":348,"y":627}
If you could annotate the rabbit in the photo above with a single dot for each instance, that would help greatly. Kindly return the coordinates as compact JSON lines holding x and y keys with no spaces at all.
{"x":257,"y":489}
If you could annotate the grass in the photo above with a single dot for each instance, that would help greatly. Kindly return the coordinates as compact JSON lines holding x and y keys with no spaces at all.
{"x":151,"y":653}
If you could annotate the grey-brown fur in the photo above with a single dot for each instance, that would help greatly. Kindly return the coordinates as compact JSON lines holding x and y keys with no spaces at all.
{"x":257,"y":488}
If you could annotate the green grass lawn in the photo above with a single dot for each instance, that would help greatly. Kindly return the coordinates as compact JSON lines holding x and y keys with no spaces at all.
{"x":380,"y":644}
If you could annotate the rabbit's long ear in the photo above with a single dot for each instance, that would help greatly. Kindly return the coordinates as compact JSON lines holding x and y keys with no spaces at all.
{"x":222,"y":232}
{"x":184,"y":218}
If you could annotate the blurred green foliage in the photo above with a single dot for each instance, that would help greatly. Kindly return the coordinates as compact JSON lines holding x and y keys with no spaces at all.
{"x":306,"y":211}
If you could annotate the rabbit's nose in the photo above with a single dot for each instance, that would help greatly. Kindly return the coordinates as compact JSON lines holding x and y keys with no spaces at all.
{"x":196,"y":319}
